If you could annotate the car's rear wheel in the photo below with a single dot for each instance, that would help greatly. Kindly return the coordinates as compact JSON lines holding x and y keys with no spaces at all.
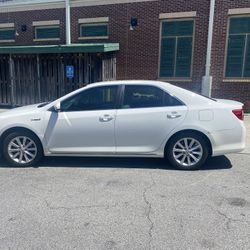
{"x":22,"y":149}
{"x":187,"y":151}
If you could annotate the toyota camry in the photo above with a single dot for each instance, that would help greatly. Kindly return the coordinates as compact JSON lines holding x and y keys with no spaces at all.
{"x":125,"y":118}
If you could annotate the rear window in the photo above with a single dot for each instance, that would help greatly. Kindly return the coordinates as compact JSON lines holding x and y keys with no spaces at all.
{"x":139,"y":96}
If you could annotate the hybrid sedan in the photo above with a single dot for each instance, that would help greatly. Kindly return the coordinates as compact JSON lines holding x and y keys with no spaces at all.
{"x":128,"y":119}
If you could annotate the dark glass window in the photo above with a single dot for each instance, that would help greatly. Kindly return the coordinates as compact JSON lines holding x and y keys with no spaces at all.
{"x":176,"y":48}
{"x":238,"y":51}
{"x":47,"y":32}
{"x":7,"y":34}
{"x":136,"y":96}
{"x":99,"y":98}
{"x":94,"y":30}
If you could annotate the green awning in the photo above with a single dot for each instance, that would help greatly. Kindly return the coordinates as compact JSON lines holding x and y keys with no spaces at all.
{"x":72,"y":48}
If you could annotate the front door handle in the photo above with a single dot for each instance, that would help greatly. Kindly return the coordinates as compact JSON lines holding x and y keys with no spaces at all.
{"x":173,"y":115}
{"x":106,"y":118}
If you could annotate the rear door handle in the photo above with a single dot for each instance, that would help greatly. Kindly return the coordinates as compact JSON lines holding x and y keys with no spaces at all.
{"x":106,"y":118}
{"x":173,"y":115}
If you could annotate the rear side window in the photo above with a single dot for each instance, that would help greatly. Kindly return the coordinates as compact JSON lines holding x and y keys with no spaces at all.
{"x":139,"y":96}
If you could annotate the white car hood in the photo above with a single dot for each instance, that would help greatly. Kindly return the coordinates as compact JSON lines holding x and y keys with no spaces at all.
{"x":24,"y":109}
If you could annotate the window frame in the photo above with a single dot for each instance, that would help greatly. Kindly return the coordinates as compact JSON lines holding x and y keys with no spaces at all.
{"x":242,"y":78}
{"x":46,"y":27}
{"x":8,"y":29}
{"x":122,"y":95}
{"x":188,"y":79}
{"x":117,"y":98}
{"x":81,"y":25}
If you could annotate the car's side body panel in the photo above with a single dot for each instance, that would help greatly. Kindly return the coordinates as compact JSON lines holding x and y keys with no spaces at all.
{"x":132,"y":132}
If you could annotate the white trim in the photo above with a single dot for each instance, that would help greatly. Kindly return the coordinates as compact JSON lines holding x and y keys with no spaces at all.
{"x":7,"y":25}
{"x":46,"y":23}
{"x":239,"y":11}
{"x":93,"y":37}
{"x":80,"y":3}
{"x":94,"y":20}
{"x":28,"y":5}
{"x":7,"y":41}
{"x":177,"y":15}
{"x":45,"y":39}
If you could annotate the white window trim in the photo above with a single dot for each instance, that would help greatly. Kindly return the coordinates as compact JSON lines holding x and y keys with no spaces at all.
{"x":173,"y":15}
{"x":7,"y":25}
{"x":93,"y":20}
{"x":239,"y":11}
{"x":46,"y":23}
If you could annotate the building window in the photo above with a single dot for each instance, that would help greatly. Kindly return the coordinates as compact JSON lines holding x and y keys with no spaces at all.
{"x":238,"y":49}
{"x":176,"y":48}
{"x":47,"y":33}
{"x":7,"y":34}
{"x":94,"y":30}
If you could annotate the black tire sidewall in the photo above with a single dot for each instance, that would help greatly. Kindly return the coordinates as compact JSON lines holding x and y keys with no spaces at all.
{"x":170,"y":156}
{"x":11,"y":136}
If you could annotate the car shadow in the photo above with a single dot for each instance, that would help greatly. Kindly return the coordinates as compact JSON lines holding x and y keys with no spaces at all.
{"x":216,"y":163}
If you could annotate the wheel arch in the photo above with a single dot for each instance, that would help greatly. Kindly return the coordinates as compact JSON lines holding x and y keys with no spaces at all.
{"x":197,"y":132}
{"x":18,"y":129}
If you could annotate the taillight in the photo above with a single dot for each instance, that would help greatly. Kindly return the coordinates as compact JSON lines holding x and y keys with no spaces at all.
{"x":239,"y":113}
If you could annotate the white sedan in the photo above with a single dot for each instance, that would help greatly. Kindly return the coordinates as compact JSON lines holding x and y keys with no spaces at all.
{"x":125,"y":118}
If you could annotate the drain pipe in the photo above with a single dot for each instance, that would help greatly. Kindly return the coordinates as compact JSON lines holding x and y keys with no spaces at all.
{"x":68,"y":27}
{"x":207,"y":79}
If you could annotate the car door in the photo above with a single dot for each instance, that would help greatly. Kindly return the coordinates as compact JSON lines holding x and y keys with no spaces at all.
{"x":85,"y":123}
{"x":145,"y":118}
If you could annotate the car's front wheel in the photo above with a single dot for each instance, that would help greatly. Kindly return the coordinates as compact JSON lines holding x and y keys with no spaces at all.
{"x":22,"y":149}
{"x":187,"y":151}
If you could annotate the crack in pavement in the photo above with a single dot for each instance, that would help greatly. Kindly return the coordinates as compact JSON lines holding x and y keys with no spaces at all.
{"x":229,"y":220}
{"x":149,"y":209}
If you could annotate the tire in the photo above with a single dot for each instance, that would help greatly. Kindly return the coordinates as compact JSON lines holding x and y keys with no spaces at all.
{"x":187,"y":151}
{"x":22,"y":149}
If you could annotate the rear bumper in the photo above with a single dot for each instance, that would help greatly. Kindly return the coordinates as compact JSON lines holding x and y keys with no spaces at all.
{"x":229,"y":141}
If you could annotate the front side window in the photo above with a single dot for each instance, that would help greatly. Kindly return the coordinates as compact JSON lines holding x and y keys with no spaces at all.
{"x":147,"y":97}
{"x":99,"y":98}
{"x":95,"y":30}
{"x":238,"y":52}
{"x":7,"y":34}
{"x":47,"y":32}
{"x":176,"y":48}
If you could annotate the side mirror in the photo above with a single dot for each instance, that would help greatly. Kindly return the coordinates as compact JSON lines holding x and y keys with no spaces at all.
{"x":57,"y":107}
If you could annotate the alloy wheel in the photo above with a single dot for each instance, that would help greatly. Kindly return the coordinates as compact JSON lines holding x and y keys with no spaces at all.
{"x":187,"y":152}
{"x":22,"y":149}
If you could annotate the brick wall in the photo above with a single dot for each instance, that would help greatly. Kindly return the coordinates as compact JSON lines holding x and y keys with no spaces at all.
{"x":221,"y":89}
{"x":139,"y":53}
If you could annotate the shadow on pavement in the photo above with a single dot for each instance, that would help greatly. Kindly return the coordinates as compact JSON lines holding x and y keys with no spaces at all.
{"x":216,"y":163}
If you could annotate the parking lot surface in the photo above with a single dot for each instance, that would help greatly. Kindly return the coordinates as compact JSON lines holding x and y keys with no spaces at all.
{"x":118,"y":203}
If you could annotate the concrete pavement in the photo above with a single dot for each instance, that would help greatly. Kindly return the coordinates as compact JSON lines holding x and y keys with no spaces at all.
{"x":130,"y":204}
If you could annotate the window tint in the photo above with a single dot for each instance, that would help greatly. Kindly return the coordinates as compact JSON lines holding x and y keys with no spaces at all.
{"x":7,"y":34}
{"x":99,"y":98}
{"x":94,"y":30}
{"x":47,"y":32}
{"x":176,"y":48}
{"x":147,"y":96}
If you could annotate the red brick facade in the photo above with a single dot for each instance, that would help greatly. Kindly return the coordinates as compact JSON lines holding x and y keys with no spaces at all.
{"x":138,"y":57}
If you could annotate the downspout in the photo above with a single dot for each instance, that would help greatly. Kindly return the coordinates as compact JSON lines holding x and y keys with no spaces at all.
{"x":207,"y":79}
{"x":68,"y":27}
